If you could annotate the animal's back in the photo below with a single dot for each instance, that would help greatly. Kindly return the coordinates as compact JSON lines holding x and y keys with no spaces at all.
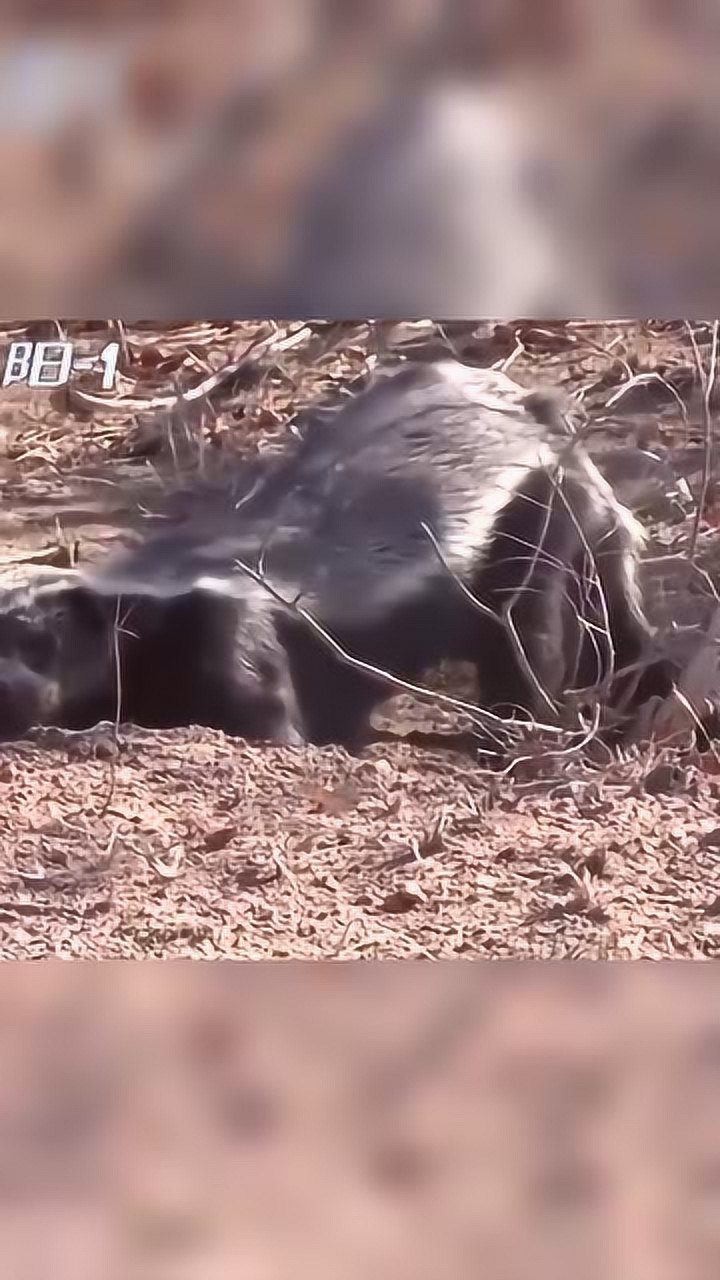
{"x":340,"y":514}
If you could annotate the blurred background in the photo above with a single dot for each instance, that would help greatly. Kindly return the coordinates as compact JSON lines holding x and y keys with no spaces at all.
{"x":351,"y":158}
{"x":337,"y":1121}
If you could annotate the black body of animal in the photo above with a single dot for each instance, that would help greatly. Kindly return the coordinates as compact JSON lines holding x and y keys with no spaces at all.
{"x":339,"y":521}
{"x":73,"y":654}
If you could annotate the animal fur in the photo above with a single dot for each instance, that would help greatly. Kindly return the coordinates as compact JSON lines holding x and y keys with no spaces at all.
{"x":435,"y":483}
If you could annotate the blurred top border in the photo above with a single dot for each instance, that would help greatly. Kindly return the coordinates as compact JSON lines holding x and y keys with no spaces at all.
{"x":328,"y":159}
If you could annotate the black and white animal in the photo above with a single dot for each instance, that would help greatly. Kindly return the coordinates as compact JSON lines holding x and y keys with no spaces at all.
{"x":443,"y":512}
{"x":74,"y":651}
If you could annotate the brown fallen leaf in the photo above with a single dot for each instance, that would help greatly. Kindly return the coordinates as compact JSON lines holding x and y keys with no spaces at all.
{"x":218,"y":839}
{"x":405,"y":898}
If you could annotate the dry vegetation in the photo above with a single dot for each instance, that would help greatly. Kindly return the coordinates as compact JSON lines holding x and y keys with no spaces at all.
{"x":189,"y":843}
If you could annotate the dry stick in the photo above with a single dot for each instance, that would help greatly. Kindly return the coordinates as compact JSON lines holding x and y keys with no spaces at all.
{"x":477,"y":714}
{"x":573,"y":749}
{"x":123,"y":339}
{"x":641,"y":379}
{"x":519,"y":350}
{"x":117,"y":626}
{"x":707,"y":381}
{"x":588,"y":579}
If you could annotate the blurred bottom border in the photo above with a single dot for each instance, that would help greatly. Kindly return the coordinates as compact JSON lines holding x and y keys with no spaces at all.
{"x":409,"y":1120}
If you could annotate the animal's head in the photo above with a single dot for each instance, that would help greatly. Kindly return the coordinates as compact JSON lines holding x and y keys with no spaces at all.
{"x":50,"y":636}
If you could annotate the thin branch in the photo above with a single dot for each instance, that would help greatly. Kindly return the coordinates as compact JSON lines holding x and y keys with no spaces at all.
{"x":707,"y":381}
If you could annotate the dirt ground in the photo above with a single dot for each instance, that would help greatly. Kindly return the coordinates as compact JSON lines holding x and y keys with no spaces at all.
{"x":142,"y":843}
{"x":189,"y":844}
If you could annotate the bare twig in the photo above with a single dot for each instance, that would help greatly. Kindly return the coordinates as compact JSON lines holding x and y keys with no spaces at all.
{"x":707,"y":381}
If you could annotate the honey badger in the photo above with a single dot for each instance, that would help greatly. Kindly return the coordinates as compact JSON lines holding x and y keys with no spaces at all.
{"x":74,"y":651}
{"x":405,"y":520}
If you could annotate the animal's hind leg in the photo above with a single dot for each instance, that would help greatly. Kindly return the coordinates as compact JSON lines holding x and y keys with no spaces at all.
{"x":269,"y":715}
{"x":616,"y":639}
{"x":243,"y":684}
{"x":637,"y":676}
{"x":524,"y":654}
{"x":335,"y":699}
{"x":529,"y":654}
{"x":248,"y":692}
